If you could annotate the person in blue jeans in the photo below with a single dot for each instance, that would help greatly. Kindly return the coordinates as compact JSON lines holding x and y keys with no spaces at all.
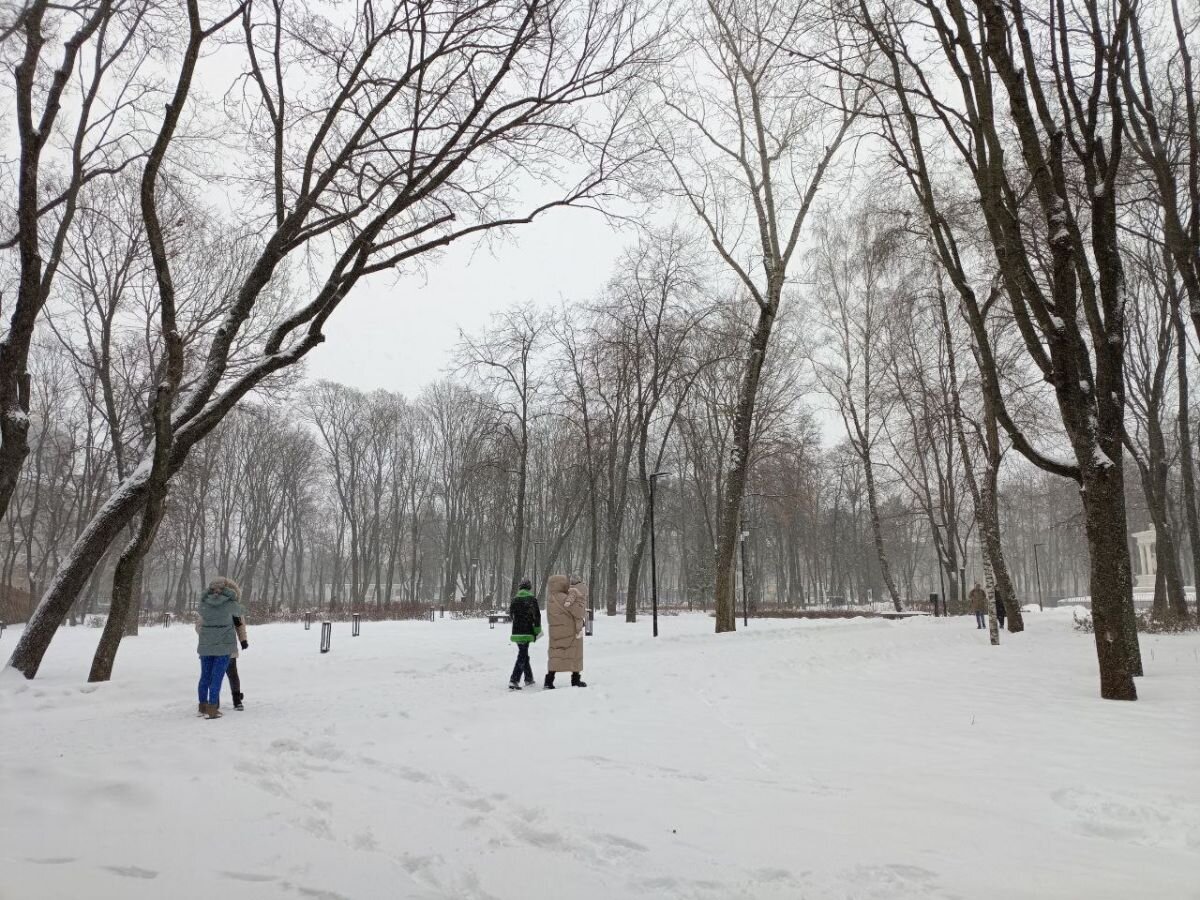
{"x":218,"y":608}
{"x":978,"y":602}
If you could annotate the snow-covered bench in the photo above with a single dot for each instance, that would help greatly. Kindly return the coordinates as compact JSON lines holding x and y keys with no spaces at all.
{"x":494,"y":617}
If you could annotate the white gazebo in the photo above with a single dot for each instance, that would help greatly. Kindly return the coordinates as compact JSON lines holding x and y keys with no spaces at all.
{"x":1147,"y":559}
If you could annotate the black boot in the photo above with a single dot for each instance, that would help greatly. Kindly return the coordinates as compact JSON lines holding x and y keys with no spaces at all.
{"x":514,"y":686}
{"x":548,"y":684}
{"x":237,"y":701}
{"x":577,"y":681}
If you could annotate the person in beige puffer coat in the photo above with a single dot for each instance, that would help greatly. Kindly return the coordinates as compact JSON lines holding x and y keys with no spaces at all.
{"x":566,"y":612}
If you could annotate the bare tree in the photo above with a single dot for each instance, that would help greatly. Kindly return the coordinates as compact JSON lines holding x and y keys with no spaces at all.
{"x":77,"y":90}
{"x":504,"y":360}
{"x":1049,"y":214}
{"x":408,"y":132}
{"x":860,"y":278}
{"x":1151,"y":363}
{"x":753,"y":129}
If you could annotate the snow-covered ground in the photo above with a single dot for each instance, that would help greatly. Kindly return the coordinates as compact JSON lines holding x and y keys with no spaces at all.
{"x":833,"y":759}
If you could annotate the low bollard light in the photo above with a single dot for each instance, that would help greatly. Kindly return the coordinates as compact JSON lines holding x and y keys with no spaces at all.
{"x":166,"y":620}
{"x":307,"y":621}
{"x":3,"y":625}
{"x":326,"y":636}
{"x":591,"y":620}
{"x":355,"y":625}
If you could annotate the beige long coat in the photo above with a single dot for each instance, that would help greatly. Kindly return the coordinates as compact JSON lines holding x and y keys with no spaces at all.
{"x":566,"y":612}
{"x":977,"y":599}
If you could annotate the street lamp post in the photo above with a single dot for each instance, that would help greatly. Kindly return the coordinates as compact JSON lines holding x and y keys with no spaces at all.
{"x":1037,"y":571}
{"x":653,"y":554}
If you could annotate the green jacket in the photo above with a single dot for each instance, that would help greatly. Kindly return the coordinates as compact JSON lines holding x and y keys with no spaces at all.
{"x":217,"y":611}
{"x":526,"y":618}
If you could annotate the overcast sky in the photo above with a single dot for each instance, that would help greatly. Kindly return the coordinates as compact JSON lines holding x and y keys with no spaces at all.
{"x":400,"y":333}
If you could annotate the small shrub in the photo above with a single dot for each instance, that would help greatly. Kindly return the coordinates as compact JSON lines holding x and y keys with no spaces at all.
{"x":1146,"y":623}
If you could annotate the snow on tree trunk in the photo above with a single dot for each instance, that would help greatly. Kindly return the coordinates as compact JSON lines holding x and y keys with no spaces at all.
{"x":729,"y":529}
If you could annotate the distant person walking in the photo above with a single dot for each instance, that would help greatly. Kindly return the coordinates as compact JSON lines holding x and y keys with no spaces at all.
{"x":978,"y":601}
{"x":566,"y":612}
{"x":526,"y":628}
{"x":219,"y":610}
{"x":1001,"y":613}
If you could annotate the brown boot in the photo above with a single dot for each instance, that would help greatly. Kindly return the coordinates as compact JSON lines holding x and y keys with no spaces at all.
{"x":213,"y":711}
{"x":203,"y":710}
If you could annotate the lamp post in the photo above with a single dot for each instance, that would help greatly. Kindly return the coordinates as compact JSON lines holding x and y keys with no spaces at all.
{"x":1037,"y":571}
{"x":653,"y":554}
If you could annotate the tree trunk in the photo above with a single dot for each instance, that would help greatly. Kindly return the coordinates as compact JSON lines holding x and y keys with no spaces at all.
{"x":1187,"y":463}
{"x":994,"y":550}
{"x":133,"y":618}
{"x":14,"y":425}
{"x":729,"y":530}
{"x":987,"y":512}
{"x":989,"y":581}
{"x":126,"y":587}
{"x":76,"y":569}
{"x":885,"y":567}
{"x":1111,"y":582}
{"x":635,"y":566}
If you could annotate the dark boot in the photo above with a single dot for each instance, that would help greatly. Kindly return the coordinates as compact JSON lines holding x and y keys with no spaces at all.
{"x":577,"y":681}
{"x":212,"y":711}
{"x":514,"y":686}
{"x":549,"y":682}
{"x":237,"y":701}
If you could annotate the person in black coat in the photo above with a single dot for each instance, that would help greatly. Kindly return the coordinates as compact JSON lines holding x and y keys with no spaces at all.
{"x":526,"y":628}
{"x":1000,"y":609}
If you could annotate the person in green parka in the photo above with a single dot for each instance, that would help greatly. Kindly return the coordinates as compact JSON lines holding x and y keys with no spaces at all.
{"x":218,"y":610}
{"x":526,"y":628}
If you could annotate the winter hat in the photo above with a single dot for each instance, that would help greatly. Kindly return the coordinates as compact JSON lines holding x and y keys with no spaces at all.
{"x":221,"y":583}
{"x":526,"y":584}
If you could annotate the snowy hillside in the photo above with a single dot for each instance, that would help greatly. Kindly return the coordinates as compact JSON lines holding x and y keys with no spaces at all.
{"x":846,"y":759}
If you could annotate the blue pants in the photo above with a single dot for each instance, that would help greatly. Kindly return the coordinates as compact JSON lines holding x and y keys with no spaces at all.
{"x":212,"y":673}
{"x":979,"y":620}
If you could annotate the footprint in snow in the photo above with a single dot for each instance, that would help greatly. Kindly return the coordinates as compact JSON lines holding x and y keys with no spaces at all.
{"x":1124,"y":819}
{"x":132,"y":872}
{"x":479,"y":804}
{"x":249,"y":876}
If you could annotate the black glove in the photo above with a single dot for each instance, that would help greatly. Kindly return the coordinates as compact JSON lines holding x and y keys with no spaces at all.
{"x":245,"y":645}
